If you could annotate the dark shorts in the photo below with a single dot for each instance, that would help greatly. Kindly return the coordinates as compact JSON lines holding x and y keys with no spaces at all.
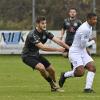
{"x":68,"y":43}
{"x":32,"y":61}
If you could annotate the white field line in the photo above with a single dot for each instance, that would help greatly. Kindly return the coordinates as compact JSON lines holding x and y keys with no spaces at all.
{"x":56,"y":96}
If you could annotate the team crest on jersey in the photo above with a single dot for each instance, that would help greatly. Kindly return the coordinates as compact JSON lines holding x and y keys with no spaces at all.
{"x":67,"y":23}
{"x":75,"y":24}
{"x":44,"y":37}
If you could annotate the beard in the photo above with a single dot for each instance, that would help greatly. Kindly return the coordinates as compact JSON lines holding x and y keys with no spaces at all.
{"x":44,"y":28}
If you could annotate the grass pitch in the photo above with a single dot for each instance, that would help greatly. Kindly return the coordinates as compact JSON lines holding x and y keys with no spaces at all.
{"x":20,"y":82}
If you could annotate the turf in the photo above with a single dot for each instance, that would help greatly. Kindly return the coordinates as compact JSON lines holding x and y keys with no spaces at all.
{"x":20,"y":82}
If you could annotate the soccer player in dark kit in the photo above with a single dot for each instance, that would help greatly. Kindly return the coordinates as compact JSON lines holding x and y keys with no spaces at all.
{"x":70,"y":25}
{"x":30,"y":55}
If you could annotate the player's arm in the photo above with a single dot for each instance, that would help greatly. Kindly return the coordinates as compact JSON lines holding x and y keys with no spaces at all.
{"x":63,"y":29}
{"x":35,"y":40}
{"x":84,"y":40}
{"x":45,"y":47}
{"x":90,"y":42}
{"x":93,"y":37}
{"x":88,"y":51}
{"x":62,"y":33}
{"x":59,"y":42}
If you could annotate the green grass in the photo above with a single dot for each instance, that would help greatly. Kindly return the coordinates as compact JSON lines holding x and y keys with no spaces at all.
{"x":19,"y":82}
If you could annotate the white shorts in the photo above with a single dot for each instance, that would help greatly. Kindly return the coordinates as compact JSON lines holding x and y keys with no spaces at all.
{"x":79,"y":58}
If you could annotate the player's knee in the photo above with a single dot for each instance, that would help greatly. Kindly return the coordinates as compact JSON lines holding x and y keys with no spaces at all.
{"x":51,"y":70}
{"x":92,"y":69}
{"x":40,"y":67}
{"x":79,"y":72}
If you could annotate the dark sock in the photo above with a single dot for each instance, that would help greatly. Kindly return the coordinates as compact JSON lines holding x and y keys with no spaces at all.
{"x":48,"y":79}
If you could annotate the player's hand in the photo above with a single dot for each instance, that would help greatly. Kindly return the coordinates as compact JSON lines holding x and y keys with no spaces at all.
{"x":66,"y":50}
{"x":61,"y":49}
{"x":60,"y":38}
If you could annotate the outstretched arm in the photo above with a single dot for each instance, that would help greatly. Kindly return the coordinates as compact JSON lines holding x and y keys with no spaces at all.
{"x":59,"y":42}
{"x":45,"y":47}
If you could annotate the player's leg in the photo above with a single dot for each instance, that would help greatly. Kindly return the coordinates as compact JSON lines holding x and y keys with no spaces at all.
{"x":51,"y":73}
{"x":48,"y":67}
{"x":36,"y":64}
{"x":90,"y":75}
{"x":78,"y":65}
{"x":40,"y":67}
{"x":78,"y":69}
{"x":77,"y":72}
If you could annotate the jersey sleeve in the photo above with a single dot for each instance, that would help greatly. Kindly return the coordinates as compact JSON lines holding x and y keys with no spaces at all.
{"x":64,"y":24}
{"x":34,"y":39}
{"x":84,"y":40}
{"x":79,"y":23}
{"x":49,"y":35}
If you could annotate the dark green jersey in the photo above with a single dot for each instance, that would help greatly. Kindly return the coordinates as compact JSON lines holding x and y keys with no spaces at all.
{"x":33,"y":38}
{"x":70,"y":26}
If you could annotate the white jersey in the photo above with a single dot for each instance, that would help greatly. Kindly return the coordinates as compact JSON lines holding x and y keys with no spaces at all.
{"x":82,"y":36}
{"x":77,"y":52}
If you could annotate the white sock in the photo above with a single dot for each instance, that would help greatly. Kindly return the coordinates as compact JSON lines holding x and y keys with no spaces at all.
{"x":89,"y":80}
{"x":69,"y":74}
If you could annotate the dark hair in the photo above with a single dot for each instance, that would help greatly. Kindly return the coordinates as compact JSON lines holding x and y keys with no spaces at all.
{"x":90,"y":15}
{"x":72,"y":9}
{"x":40,"y":18}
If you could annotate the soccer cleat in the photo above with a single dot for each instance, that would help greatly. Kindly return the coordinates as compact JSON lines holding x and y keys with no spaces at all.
{"x":54,"y":86}
{"x":88,"y":91}
{"x":62,"y":79}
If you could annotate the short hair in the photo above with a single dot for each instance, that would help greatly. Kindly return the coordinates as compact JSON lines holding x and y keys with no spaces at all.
{"x":90,"y":15}
{"x":40,"y":18}
{"x":72,"y":9}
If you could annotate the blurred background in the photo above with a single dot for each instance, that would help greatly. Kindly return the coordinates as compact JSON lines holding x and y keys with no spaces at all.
{"x":21,"y":14}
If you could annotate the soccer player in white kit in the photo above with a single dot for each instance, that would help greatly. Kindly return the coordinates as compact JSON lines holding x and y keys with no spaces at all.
{"x":78,"y":55}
